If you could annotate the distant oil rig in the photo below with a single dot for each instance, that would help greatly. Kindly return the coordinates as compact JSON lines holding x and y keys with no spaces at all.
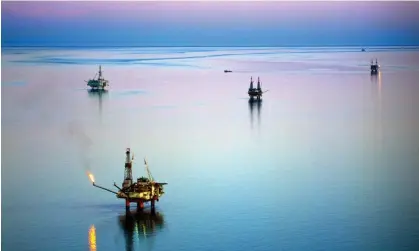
{"x":374,"y":67}
{"x":255,"y":92}
{"x":98,"y":84}
{"x":142,"y":191}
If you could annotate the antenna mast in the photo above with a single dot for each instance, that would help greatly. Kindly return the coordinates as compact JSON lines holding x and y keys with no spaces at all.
{"x":100,"y":72}
{"x":128,"y":170}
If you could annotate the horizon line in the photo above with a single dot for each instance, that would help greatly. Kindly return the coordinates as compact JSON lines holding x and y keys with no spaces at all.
{"x":207,"y":46}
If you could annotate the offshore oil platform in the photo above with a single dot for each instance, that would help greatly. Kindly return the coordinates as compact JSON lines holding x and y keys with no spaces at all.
{"x":374,"y":67}
{"x":143,"y":191}
{"x":255,"y":92}
{"x":98,"y":84}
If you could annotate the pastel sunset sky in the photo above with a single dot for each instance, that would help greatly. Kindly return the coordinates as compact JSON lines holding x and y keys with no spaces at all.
{"x":210,"y":23}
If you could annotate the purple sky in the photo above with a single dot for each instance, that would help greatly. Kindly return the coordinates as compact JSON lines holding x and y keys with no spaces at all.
{"x":210,"y":23}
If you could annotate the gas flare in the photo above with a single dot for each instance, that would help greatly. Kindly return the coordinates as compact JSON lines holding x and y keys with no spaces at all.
{"x":91,"y":177}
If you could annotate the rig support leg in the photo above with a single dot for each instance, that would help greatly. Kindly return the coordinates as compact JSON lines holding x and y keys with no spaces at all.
{"x":140,"y":206}
{"x":153,"y":206}
{"x":127,"y":206}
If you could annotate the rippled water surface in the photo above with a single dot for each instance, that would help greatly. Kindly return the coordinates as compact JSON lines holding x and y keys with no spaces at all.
{"x":327,"y":161}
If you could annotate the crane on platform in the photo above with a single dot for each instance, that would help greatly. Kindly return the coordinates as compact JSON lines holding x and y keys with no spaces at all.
{"x":150,"y":177}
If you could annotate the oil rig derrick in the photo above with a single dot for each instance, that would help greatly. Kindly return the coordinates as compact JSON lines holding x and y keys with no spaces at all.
{"x":98,"y":84}
{"x":255,"y":92}
{"x":143,"y":191}
{"x":374,"y":67}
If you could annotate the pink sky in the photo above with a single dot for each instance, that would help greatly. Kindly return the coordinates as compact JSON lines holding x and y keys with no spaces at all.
{"x":214,"y":11}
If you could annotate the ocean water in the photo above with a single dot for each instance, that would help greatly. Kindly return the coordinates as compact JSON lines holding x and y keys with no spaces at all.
{"x":329,"y":160}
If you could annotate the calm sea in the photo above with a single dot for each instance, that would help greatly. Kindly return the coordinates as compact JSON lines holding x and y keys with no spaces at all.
{"x":329,"y":160}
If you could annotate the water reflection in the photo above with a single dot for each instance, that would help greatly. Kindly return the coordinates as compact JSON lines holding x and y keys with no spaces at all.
{"x":92,"y":238}
{"x":252,"y":104}
{"x":376,"y":85}
{"x":99,"y":94}
{"x":140,"y":225}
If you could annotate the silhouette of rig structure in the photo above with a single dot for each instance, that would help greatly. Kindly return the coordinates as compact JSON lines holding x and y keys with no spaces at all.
{"x":374,"y":67}
{"x":255,"y":92}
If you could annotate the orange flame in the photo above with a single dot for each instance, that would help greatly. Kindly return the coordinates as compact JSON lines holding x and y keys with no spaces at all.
{"x":92,"y":238}
{"x":91,"y":177}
